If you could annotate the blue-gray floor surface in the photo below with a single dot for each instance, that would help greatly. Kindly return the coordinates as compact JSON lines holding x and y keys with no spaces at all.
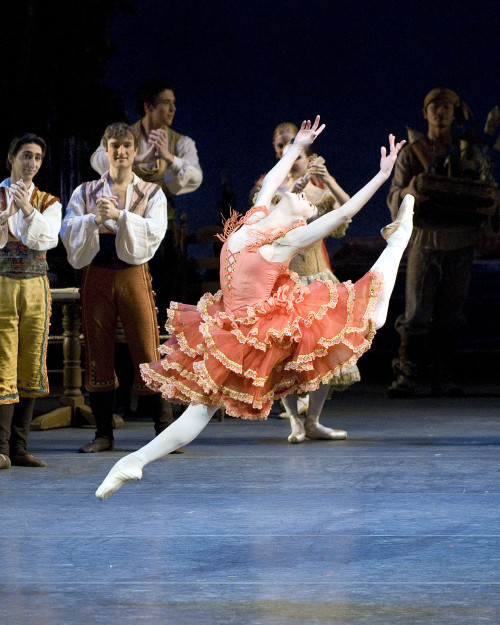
{"x":399,"y":524}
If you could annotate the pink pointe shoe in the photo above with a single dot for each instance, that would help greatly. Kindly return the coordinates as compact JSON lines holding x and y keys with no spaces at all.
{"x":405,"y":212}
{"x":118,"y":475}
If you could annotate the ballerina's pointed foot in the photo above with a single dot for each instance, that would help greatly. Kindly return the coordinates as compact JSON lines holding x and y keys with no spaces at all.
{"x":404,"y":215}
{"x":125,"y":470}
{"x":319,"y":432}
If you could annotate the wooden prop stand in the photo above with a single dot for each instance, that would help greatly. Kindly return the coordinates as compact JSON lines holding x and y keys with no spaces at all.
{"x":72,"y":411}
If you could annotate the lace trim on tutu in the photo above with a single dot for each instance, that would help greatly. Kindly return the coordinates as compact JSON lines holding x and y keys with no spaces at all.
{"x":173,"y":388}
{"x":303,"y":362}
{"x":284,"y":297}
{"x":222,"y":392}
{"x":292,"y":332}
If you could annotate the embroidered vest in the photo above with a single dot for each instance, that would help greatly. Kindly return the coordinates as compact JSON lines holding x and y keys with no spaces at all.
{"x":141,"y":194}
{"x":16,"y":259}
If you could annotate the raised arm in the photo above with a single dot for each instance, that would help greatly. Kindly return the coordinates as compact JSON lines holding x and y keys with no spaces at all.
{"x":306,"y":135}
{"x":320,"y":228}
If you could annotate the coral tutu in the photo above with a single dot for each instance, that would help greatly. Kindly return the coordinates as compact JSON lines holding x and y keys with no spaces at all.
{"x":227,"y":352}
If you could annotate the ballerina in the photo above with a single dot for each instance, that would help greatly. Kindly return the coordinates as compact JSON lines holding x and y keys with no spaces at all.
{"x":265,"y":335}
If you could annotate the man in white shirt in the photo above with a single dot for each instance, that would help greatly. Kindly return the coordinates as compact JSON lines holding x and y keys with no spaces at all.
{"x":111,"y":229}
{"x":29,"y":226}
{"x":168,"y":159}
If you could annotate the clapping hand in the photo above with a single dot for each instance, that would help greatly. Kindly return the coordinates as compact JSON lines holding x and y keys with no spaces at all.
{"x":107,"y":208}
{"x":20,"y":198}
{"x":159,"y":139}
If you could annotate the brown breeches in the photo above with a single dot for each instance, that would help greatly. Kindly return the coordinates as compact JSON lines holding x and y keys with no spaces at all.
{"x":106,"y":295}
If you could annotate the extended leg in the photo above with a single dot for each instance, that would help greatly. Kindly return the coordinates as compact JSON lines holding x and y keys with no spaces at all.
{"x":182,"y":431}
{"x":388,"y":262}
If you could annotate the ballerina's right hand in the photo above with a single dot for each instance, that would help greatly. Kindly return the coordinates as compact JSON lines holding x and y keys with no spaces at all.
{"x":307,"y":133}
{"x":387,"y":160}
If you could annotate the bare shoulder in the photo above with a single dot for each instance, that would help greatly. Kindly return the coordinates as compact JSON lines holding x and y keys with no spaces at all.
{"x":239,"y":239}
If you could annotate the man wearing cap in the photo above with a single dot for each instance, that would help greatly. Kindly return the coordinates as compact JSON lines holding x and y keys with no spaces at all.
{"x":440,"y":259}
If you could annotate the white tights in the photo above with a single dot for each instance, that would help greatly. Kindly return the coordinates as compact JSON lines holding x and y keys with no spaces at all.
{"x":181,"y":432}
{"x":388,"y":264}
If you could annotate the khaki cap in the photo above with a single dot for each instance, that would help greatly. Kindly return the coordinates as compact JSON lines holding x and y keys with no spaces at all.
{"x":441,"y":93}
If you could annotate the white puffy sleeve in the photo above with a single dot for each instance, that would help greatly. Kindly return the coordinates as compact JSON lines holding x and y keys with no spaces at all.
{"x":184,"y":175}
{"x":40,"y":231}
{"x":138,"y":238}
{"x":79,"y":233}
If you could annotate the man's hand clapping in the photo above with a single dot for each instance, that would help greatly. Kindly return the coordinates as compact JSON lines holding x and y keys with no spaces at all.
{"x":159,"y":139}
{"x":20,"y":198}
{"x":107,"y":208}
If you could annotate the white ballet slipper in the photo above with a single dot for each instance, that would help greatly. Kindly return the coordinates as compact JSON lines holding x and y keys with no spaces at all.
{"x":298,"y":434}
{"x":405,"y":212}
{"x":315,"y":431}
{"x":127,"y":469}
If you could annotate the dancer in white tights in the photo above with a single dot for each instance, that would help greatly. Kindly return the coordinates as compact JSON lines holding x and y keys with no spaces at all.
{"x":265,"y":334}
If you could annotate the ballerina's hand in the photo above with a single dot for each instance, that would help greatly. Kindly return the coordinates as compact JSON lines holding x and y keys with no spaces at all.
{"x":307,"y":133}
{"x":387,"y":160}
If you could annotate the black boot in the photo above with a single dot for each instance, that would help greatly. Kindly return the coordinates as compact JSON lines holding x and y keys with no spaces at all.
{"x":102,"y":406}
{"x":21,"y":421}
{"x":6,"y":414}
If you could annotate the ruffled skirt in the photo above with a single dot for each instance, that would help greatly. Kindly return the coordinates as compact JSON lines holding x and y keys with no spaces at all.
{"x":300,"y":337}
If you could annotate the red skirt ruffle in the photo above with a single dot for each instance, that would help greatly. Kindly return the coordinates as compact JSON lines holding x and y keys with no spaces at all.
{"x":299,"y":338}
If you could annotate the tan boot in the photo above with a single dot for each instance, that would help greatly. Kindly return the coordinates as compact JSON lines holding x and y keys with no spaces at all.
{"x":314,"y":430}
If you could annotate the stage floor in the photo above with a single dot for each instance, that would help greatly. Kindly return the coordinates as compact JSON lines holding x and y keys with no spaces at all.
{"x":400,"y":523}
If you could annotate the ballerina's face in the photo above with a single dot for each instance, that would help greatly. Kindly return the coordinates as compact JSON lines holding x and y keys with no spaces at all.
{"x":300,"y":206}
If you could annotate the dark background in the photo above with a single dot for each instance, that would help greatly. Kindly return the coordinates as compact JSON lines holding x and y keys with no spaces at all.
{"x":239,"y":69}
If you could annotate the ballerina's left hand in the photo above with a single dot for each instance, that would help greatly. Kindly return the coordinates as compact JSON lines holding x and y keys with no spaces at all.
{"x":387,"y":160}
{"x":307,"y":133}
